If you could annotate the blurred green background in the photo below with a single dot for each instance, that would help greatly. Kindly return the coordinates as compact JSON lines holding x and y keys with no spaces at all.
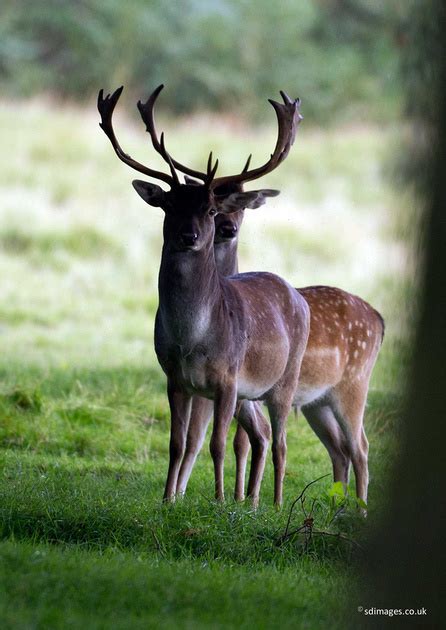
{"x":84,"y":247}
{"x":83,"y":413}
{"x":341,"y":55}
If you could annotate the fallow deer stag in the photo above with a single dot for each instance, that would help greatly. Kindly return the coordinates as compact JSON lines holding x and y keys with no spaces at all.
{"x":225,"y":339}
{"x":345,"y":337}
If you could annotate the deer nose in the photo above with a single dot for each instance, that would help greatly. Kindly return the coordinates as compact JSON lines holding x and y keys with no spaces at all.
{"x":189,"y":238}
{"x":227,"y":230}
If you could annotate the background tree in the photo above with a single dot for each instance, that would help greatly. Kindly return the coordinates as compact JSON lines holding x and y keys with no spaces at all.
{"x":214,"y":55}
{"x":406,"y":559}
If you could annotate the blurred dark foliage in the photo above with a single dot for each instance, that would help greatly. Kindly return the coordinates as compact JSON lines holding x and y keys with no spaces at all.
{"x":420,"y":81}
{"x":406,"y":556}
{"x":342,"y":56}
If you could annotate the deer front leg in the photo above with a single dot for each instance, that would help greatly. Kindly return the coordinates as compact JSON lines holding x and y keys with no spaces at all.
{"x":224,"y":408}
{"x":180,"y":407}
{"x":200,"y":417}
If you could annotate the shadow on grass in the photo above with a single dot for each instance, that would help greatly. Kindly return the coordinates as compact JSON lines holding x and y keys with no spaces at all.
{"x":102,"y":508}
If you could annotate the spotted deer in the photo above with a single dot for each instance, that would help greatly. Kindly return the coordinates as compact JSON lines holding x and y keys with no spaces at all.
{"x":345,"y":337}
{"x":222,"y":338}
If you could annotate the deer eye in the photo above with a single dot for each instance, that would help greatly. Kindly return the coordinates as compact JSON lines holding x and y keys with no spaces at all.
{"x":212,"y":212}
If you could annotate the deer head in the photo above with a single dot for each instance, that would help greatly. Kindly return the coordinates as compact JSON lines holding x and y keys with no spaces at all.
{"x":190,"y":210}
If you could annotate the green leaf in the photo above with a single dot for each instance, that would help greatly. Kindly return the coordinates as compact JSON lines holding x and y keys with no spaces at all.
{"x":337,"y":489}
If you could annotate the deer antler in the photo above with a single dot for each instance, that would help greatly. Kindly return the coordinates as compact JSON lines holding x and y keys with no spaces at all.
{"x":288,"y":118}
{"x":146,"y":111}
{"x":106,"y":107}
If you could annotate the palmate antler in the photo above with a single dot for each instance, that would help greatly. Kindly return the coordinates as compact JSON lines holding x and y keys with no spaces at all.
{"x":288,"y":118}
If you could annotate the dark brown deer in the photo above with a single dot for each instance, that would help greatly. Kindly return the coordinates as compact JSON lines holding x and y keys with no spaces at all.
{"x":225,"y":339}
{"x":248,"y":413}
{"x":345,"y":337}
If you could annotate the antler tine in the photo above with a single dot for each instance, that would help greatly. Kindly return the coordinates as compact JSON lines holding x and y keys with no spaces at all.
{"x":106,"y":108}
{"x":293,"y":102}
{"x":146,"y":111}
{"x":248,"y":162}
{"x":168,"y":159}
{"x":209,"y":164}
{"x":286,"y":99}
{"x":288,"y":118}
{"x":211,"y":171}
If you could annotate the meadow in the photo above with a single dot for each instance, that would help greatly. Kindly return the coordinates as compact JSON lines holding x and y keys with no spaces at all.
{"x":84,"y":423}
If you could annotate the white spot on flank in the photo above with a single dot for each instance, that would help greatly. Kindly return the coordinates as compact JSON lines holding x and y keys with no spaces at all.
{"x":349,"y":325}
{"x":355,"y":354}
{"x":364,"y":345}
{"x":337,"y":355}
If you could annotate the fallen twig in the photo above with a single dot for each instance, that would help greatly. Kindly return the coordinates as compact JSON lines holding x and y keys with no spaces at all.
{"x":299,"y":498}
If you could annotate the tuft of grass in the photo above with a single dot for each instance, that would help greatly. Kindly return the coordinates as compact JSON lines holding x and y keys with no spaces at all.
{"x":82,"y":242}
{"x":22,"y":400}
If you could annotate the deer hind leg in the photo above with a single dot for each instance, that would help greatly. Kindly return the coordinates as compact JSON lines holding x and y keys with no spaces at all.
{"x":360,"y":466}
{"x":348,"y":406}
{"x":200,"y":417}
{"x":278,"y":412}
{"x":180,"y":408}
{"x":224,"y":408}
{"x":323,"y":422}
{"x":241,"y":449}
{"x":256,"y":427}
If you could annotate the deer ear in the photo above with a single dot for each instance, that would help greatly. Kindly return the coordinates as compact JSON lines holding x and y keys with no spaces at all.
{"x":241,"y":200}
{"x":151,"y":193}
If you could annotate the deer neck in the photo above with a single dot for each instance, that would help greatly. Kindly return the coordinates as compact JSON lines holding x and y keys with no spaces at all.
{"x":226,"y":257}
{"x":189,"y":294}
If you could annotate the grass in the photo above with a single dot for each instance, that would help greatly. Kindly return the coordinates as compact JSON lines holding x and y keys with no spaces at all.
{"x":84,"y":529}
{"x":84,"y":424}
{"x":80,"y":242}
{"x":67,"y":589}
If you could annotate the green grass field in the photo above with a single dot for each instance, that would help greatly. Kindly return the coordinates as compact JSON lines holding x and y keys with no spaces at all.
{"x":85,"y":539}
